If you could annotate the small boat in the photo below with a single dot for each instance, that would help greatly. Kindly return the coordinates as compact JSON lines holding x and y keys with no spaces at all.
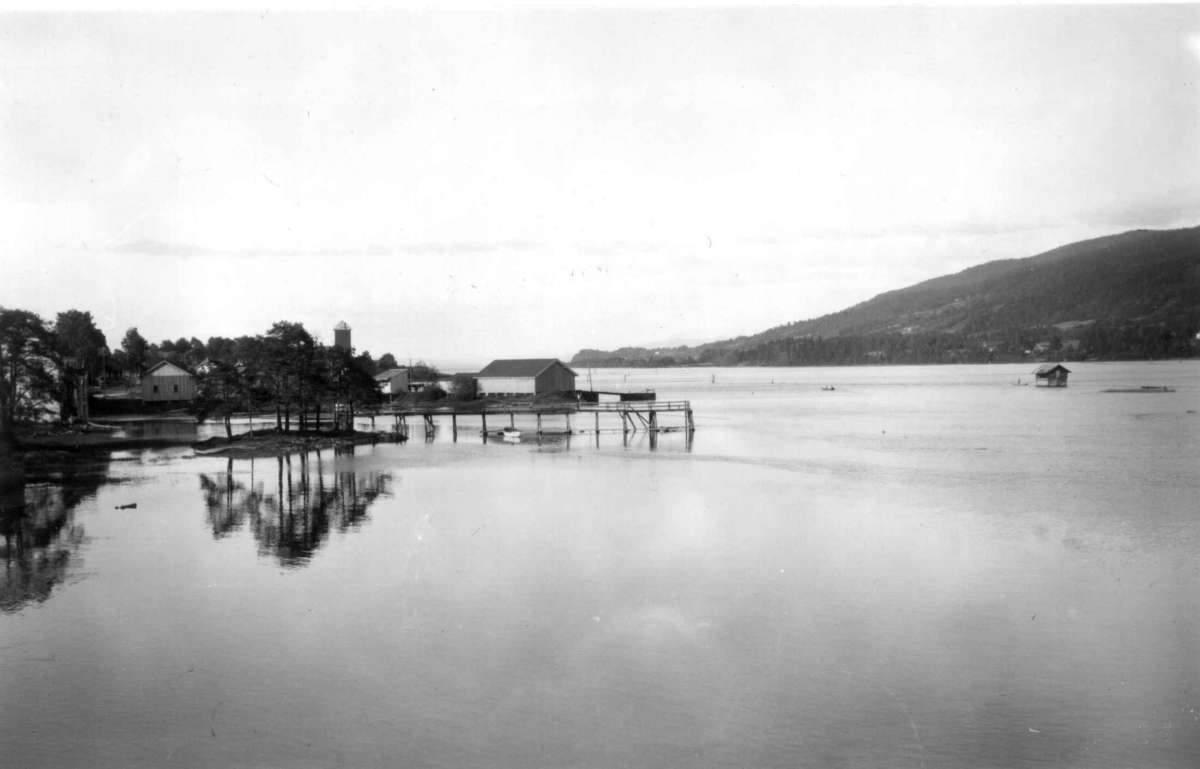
{"x":510,"y":434}
{"x":828,"y":388}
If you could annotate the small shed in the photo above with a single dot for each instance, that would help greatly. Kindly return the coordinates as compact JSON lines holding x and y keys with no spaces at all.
{"x":166,"y":381}
{"x":1051,"y":375}
{"x":525,"y":376}
{"x":392,"y":382}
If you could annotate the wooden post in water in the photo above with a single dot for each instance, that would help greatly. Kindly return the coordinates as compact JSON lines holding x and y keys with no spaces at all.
{"x":539,"y":424}
{"x":653,"y":428}
{"x":597,"y":425}
{"x":568,"y":423}
{"x":484,"y":415}
{"x":512,"y":421}
{"x":454,"y":426}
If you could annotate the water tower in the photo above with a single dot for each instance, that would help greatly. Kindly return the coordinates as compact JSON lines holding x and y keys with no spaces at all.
{"x":341,"y":336}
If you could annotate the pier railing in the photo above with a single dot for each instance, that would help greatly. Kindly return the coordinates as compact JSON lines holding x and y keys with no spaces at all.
{"x":637,"y":406}
{"x":529,"y":407}
{"x":633,"y":414}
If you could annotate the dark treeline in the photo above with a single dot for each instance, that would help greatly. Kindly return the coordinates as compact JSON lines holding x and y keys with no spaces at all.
{"x":46,"y":368}
{"x":1095,"y":341}
{"x":285,"y":370}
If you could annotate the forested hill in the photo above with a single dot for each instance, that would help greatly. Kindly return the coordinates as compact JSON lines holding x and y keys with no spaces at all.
{"x":1133,"y":295}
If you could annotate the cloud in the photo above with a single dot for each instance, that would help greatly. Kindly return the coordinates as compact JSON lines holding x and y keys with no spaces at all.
{"x":150,"y":247}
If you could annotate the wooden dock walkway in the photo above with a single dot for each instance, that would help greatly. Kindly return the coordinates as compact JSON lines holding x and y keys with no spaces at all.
{"x":635,"y":416}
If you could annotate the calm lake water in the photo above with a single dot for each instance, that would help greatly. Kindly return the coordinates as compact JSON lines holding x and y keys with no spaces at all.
{"x":926,"y":567}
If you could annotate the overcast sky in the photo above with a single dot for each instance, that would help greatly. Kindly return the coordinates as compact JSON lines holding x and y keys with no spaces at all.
{"x":465,"y":185}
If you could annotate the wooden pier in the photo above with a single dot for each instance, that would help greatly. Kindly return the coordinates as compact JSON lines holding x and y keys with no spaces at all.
{"x":552,"y":419}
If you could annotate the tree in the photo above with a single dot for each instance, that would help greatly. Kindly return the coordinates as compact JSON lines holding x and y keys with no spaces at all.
{"x":136,"y":349}
{"x":361,"y":386}
{"x":221,"y":348}
{"x":195,"y":354}
{"x":27,"y":357}
{"x":385,"y":362}
{"x":290,"y":363}
{"x":423,"y":372}
{"x":463,"y":387}
{"x":79,"y":339}
{"x":223,"y":390}
{"x":351,"y":382}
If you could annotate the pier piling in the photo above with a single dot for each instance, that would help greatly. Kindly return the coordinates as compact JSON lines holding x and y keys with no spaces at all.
{"x":634,"y":415}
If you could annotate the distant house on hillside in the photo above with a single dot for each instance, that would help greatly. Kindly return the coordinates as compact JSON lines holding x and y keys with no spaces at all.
{"x":392,"y":382}
{"x":165,"y":381}
{"x":525,"y":376}
{"x":1051,"y":375}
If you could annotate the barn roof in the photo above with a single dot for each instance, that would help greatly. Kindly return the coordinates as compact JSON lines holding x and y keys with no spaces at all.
{"x":391,"y":373}
{"x":519,"y":367}
{"x":163,"y":363}
{"x":1046,"y":368}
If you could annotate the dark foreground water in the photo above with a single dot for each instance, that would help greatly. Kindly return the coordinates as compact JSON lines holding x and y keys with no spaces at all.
{"x":927,"y":567}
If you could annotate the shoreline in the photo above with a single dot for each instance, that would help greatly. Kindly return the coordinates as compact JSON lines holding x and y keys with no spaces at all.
{"x":271,"y":442}
{"x":42,"y":444}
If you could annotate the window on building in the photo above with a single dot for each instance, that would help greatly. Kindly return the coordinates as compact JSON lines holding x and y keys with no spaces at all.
{"x":155,"y":388}
{"x":176,"y":387}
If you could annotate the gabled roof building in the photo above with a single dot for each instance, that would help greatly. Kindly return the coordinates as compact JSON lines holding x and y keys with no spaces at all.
{"x":166,"y":381}
{"x":392,"y":382}
{"x":525,"y":376}
{"x":1051,"y":375}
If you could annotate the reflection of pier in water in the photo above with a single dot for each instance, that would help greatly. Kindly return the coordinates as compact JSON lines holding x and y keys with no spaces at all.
{"x":290,"y":503}
{"x":40,"y":535}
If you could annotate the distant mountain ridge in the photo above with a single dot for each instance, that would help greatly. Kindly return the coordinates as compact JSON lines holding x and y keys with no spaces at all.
{"x":1132,"y":295}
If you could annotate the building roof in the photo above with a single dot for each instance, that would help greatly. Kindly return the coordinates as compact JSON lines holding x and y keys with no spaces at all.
{"x":521,"y":367}
{"x":163,"y":363}
{"x":391,"y":373}
{"x":1046,"y":368}
{"x":341,"y":326}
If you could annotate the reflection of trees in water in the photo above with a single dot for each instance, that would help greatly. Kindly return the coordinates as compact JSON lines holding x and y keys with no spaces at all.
{"x":40,"y":535}
{"x":289,"y":503}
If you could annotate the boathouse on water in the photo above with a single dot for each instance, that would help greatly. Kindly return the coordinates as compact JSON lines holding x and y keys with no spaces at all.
{"x":165,"y":381}
{"x":1051,"y":375}
{"x":525,"y":376}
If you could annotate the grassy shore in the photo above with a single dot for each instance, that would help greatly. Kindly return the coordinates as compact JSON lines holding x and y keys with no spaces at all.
{"x":270,"y":443}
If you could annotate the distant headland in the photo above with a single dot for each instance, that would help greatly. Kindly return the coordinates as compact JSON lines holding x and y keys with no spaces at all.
{"x":1131,"y":296}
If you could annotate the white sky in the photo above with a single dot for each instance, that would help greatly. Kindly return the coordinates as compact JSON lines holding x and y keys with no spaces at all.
{"x":465,"y":185}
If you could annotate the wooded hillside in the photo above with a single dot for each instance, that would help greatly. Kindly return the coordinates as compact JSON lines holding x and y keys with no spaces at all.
{"x":1133,"y":295}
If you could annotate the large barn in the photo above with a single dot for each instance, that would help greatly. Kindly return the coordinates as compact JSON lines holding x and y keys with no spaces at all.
{"x":525,"y":376}
{"x":164,"y":381}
